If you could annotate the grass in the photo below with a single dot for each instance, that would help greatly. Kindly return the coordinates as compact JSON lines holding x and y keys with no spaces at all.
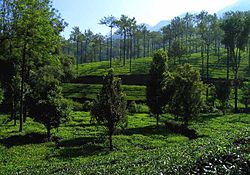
{"x":139,"y":66}
{"x":90,"y":91}
{"x":141,"y":149}
{"x":217,"y":67}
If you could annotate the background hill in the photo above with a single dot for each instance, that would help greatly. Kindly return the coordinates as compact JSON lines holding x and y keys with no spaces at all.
{"x":241,"y":5}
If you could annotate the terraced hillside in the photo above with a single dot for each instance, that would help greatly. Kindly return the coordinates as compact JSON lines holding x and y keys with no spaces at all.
{"x":140,"y":66}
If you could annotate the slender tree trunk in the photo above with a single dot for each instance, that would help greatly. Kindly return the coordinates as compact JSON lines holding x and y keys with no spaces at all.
{"x":85,"y":51}
{"x":111,"y":47}
{"x":24,"y":113}
{"x":100,"y":51}
{"x":77,"y":54}
{"x":48,"y":133}
{"x":134,"y":47}
{"x":144,"y":45}
{"x":218,"y":51}
{"x":110,"y":140}
{"x":130,"y":54}
{"x":138,"y":48}
{"x":120,"y":49}
{"x":169,"y":44}
{"x":148,"y":47}
{"x":249,"y":55}
{"x":163,"y":43}
{"x":107,"y":54}
{"x":228,"y":59}
{"x":236,"y":81}
{"x":157,"y":120}
{"x":13,"y":117}
{"x":94,"y":50}
{"x":207,"y":68}
{"x":22,"y":88}
{"x":124,"y":49}
{"x":202,"y":61}
{"x":186,"y":121}
{"x":81,"y":52}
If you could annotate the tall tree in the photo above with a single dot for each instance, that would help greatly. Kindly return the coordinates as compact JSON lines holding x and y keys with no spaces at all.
{"x":154,"y":92}
{"x":110,"y":21}
{"x":132,"y":27}
{"x":77,"y":37}
{"x":145,"y":34}
{"x":122,"y":24}
{"x":236,"y":28}
{"x":35,"y":28}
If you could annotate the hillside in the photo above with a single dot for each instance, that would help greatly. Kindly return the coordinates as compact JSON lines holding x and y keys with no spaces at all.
{"x":88,"y":90}
{"x":240,"y":5}
{"x":217,"y":67}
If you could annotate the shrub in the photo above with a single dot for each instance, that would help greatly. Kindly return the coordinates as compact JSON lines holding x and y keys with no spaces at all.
{"x":132,"y":108}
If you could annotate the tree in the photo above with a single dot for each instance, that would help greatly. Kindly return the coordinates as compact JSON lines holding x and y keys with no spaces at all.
{"x":122,"y":24}
{"x":145,"y":34}
{"x":46,"y":103}
{"x":76,"y":36}
{"x":131,"y":31}
{"x":187,"y":99}
{"x":245,"y":98}
{"x":236,"y":30}
{"x":35,"y":40}
{"x":188,"y":19}
{"x":154,"y":87}
{"x":109,"y":21}
{"x":67,"y":64}
{"x":177,"y":50}
{"x":110,"y":107}
{"x":222,"y":93}
{"x":1,"y":95}
{"x":201,"y":30}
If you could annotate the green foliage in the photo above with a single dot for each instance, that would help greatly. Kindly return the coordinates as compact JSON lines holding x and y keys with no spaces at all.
{"x":222,"y":93}
{"x":46,"y":103}
{"x":154,"y":87}
{"x":187,"y":99}
{"x":110,"y":107}
{"x":141,"y":149}
{"x":177,"y":50}
{"x":132,"y":108}
{"x":68,"y":68}
{"x":90,"y":91}
{"x":245,"y":98}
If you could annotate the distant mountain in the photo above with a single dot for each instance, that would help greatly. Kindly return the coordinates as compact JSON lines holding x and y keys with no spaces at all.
{"x":240,"y":5}
{"x":147,"y":26}
{"x":158,"y":26}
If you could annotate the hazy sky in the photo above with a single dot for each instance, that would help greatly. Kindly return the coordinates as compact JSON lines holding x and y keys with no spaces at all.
{"x":87,"y":13}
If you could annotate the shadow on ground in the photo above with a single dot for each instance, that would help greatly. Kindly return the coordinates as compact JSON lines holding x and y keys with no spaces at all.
{"x":83,"y":146}
{"x":147,"y":130}
{"x":18,"y":140}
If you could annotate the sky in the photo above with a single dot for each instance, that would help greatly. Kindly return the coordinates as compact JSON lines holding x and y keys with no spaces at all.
{"x":87,"y":13}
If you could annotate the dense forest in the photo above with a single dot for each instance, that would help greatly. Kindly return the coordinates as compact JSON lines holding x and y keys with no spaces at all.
{"x":174,"y":101}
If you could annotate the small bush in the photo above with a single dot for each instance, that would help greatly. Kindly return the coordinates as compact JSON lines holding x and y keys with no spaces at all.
{"x":87,"y":105}
{"x":77,"y":106}
{"x":142,"y":108}
{"x":132,"y":108}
